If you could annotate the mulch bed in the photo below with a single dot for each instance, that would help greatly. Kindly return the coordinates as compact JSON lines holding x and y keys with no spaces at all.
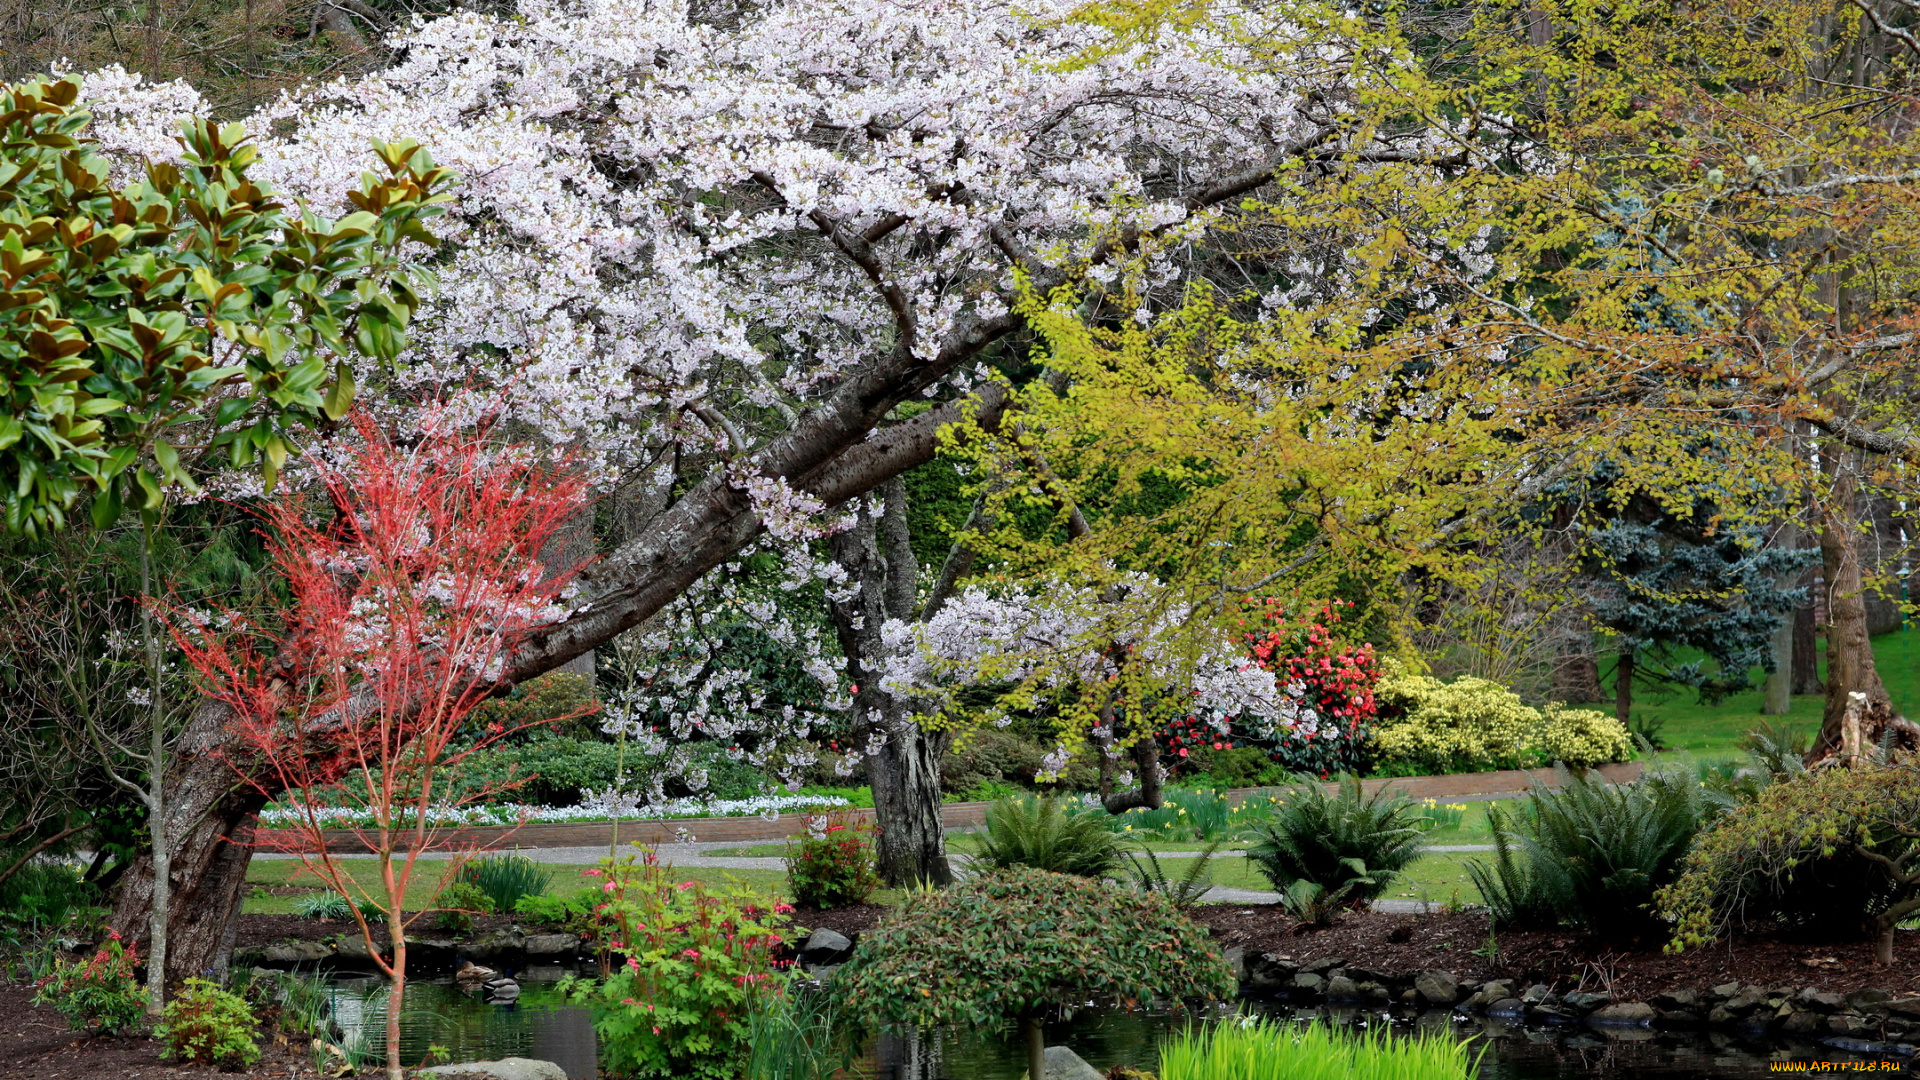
{"x":35,"y":1044}
{"x":1628,"y":971}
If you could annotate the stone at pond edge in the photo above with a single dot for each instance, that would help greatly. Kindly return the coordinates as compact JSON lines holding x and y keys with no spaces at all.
{"x":513,"y":1068}
{"x":1064,"y":1064}
{"x":1675,"y":999}
{"x":1507,"y":1007}
{"x":1623,"y":1014}
{"x":826,"y":947}
{"x":551,"y":944}
{"x":1341,"y":988}
{"x":296,"y":952}
{"x":1585,"y":1002}
{"x":1438,"y":987}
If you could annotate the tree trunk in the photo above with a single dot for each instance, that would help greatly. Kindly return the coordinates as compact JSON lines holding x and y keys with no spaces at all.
{"x":904,"y":769}
{"x":397,"y":985}
{"x":1623,"y":685}
{"x":1850,"y":666}
{"x":1779,"y":689}
{"x":1576,"y":677}
{"x":1806,"y":651}
{"x":1146,"y":758}
{"x":1036,"y":1037}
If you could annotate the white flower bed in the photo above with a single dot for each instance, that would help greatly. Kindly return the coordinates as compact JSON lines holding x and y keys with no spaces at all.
{"x":515,"y":813}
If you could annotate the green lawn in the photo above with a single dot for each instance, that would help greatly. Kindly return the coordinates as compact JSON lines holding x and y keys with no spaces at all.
{"x":1713,"y":731}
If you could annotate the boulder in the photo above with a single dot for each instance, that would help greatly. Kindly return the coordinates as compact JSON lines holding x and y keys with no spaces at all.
{"x":550,"y":944}
{"x":1802,"y":1023}
{"x":826,"y":947}
{"x":1323,"y":965}
{"x":1847,"y":1025}
{"x":1309,"y":983}
{"x":1819,"y":1001}
{"x":1236,"y":959}
{"x":1908,"y":1007}
{"x":513,"y":1068}
{"x":1366,"y":975}
{"x":1675,"y":999}
{"x":497,"y":944}
{"x":1267,"y":974}
{"x":1723,"y":991}
{"x":1511,"y":1007}
{"x":1375,"y":993}
{"x":1679,"y":1018}
{"x":1064,"y":1064}
{"x":1437,"y":987}
{"x":1623,"y":1014}
{"x":1584,"y":1002}
{"x":1536,"y":994}
{"x":1748,"y":999}
{"x":1868,"y":1000}
{"x":1341,"y":988}
{"x":296,"y":952}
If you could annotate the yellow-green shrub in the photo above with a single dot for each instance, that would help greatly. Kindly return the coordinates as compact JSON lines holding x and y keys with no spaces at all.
{"x":1471,"y":723}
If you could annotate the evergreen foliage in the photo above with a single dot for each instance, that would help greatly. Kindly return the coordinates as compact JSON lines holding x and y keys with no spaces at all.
{"x":1346,"y":845}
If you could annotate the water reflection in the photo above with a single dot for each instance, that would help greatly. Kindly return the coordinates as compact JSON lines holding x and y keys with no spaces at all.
{"x":542,"y":1025}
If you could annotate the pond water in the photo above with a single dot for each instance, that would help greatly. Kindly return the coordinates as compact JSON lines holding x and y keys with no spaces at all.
{"x":540,"y":1024}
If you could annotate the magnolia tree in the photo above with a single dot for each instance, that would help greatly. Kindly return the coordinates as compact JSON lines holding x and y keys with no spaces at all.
{"x":407,"y":601}
{"x":715,"y":250}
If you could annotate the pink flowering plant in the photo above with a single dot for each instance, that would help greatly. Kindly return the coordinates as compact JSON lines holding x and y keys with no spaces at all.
{"x":99,"y":993}
{"x":685,"y":967}
{"x":830,"y":863}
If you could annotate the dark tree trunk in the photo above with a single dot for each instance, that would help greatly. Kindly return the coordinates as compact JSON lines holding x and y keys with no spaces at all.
{"x":1850,"y":666}
{"x":1623,"y":685}
{"x":1146,"y":759}
{"x":1576,"y":676}
{"x":1806,"y":651}
{"x":904,"y":772}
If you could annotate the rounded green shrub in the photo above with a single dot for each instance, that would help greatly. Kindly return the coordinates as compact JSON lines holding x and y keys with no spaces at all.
{"x":1015,"y":943}
{"x":205,"y":1025}
{"x":1043,"y":833}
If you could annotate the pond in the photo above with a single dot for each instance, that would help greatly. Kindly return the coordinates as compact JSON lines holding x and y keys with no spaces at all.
{"x":540,"y":1024}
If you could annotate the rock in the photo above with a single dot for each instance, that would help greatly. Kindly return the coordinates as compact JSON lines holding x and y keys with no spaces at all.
{"x":1536,"y":994}
{"x":1367,"y":975}
{"x":1744,"y":1002}
{"x":1508,"y":1007}
{"x":1551,"y":1009}
{"x":1341,"y":988}
{"x":551,"y":944}
{"x":1718,"y":1016}
{"x":1819,"y":1000}
{"x":1866,"y":1000}
{"x":1267,"y":974}
{"x":1375,"y":993}
{"x":826,"y":947}
{"x":1803,"y":1023}
{"x":1409,"y":996}
{"x":1723,"y":991}
{"x":296,"y":952}
{"x":1064,"y":1064}
{"x":1236,"y":959}
{"x":354,"y":947}
{"x":1679,"y":1018}
{"x":1623,"y":1014}
{"x":1675,"y":999}
{"x":1437,"y":987}
{"x":513,"y":1068}
{"x":497,"y":944}
{"x":1586,"y":1003}
{"x":1847,"y":1025}
{"x":1308,"y":982}
{"x":1907,"y":1007}
{"x":1324,"y":965}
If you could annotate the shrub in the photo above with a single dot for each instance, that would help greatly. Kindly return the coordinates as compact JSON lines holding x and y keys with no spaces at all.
{"x":458,"y":903}
{"x":1041,"y":833}
{"x":205,"y":1025}
{"x":1836,"y":848}
{"x":1236,"y":767}
{"x":570,"y":912}
{"x":1015,"y":943}
{"x":832,"y":863}
{"x":1592,"y":853}
{"x":1472,"y":724}
{"x":1349,"y":844}
{"x":504,"y":878}
{"x":43,"y":893}
{"x":1265,"y":1050}
{"x":332,"y":907}
{"x":990,"y":756}
{"x":99,"y":994}
{"x":694,"y":964}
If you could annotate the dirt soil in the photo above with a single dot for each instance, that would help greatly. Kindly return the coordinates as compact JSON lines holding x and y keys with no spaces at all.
{"x":35,"y":1044}
{"x":1630,"y":971}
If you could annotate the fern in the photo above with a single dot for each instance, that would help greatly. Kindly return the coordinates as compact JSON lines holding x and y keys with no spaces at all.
{"x":1187,"y":889}
{"x":1349,"y":844}
{"x":1040,"y":833}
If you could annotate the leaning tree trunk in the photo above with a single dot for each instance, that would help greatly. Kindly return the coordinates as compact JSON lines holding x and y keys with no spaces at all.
{"x":1850,"y":666}
{"x":209,"y":822}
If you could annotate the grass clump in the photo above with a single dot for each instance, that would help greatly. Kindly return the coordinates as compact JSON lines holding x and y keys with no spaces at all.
{"x":504,"y":878}
{"x":1040,"y":833}
{"x":1264,"y":1050}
